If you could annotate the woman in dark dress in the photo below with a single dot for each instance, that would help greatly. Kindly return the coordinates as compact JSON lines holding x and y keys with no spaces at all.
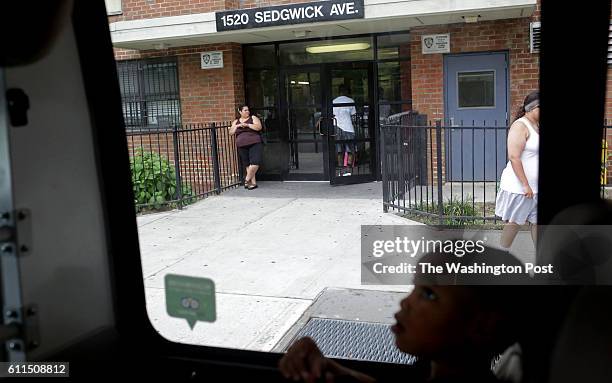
{"x":247,"y":129}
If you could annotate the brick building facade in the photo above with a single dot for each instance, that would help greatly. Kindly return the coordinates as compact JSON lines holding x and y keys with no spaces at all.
{"x":182,"y":29}
{"x":511,"y":35}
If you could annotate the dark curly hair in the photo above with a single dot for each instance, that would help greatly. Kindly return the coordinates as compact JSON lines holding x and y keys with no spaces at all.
{"x":535,"y":95}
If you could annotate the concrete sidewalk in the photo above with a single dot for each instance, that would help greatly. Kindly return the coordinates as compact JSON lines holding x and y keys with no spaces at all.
{"x":270,"y":251}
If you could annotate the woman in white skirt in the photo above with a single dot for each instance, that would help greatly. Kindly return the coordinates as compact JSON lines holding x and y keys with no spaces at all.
{"x":517,"y":201}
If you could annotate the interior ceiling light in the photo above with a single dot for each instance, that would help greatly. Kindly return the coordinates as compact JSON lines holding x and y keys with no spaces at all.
{"x":299,"y":34}
{"x":389,"y":52}
{"x":471,"y":19}
{"x":160,"y":46}
{"x":337,"y":48}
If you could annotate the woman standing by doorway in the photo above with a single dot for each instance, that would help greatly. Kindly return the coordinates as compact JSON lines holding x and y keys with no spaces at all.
{"x":247,"y":129}
{"x":517,"y":201}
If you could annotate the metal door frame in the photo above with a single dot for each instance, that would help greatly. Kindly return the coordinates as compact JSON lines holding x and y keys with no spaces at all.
{"x":284,"y":115}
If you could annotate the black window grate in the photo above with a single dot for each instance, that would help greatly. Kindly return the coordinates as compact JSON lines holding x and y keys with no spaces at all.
{"x":150,"y":93}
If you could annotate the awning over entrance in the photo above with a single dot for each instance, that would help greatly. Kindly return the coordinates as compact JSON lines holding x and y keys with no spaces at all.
{"x":380,"y":16}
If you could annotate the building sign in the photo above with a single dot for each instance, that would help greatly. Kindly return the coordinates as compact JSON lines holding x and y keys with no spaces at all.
{"x":289,"y":14}
{"x":435,"y":43}
{"x":212,"y":60}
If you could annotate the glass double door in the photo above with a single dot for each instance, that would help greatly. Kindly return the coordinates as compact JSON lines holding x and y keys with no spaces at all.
{"x":328,"y":115}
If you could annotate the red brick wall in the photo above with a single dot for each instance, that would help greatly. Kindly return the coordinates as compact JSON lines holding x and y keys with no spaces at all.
{"x":214,"y":94}
{"x":206,"y":95}
{"x":267,"y":3}
{"x":406,"y":70}
{"x":511,"y":36}
{"x":147,"y":9}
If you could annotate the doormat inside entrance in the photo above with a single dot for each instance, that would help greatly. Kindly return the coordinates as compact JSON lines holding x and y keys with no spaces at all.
{"x":346,"y":339}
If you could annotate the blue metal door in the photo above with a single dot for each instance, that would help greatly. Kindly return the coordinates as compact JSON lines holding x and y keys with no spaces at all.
{"x":476,"y":110}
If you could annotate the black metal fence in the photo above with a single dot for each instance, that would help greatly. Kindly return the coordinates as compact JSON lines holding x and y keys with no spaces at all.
{"x":448,"y":174}
{"x":176,"y":166}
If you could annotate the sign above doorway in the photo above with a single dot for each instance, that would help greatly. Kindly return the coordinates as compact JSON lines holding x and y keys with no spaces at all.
{"x":435,"y":43}
{"x":211,"y":60}
{"x":289,"y":14}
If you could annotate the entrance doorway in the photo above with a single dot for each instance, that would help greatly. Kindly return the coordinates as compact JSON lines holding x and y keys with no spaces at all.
{"x":329,"y":114}
{"x":303,"y":102}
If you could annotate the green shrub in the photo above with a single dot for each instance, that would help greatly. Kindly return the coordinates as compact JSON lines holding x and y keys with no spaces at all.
{"x":452,"y":208}
{"x":459,"y":208}
{"x":154,"y":180}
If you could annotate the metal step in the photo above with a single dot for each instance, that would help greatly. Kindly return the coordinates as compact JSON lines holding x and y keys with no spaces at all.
{"x":346,"y":339}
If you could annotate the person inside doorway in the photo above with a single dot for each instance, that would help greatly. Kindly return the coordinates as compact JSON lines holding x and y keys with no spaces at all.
{"x":247,"y":129}
{"x":517,"y":201}
{"x":343,"y":116}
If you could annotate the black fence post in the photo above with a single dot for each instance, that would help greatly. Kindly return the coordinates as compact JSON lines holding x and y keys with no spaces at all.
{"x":177,"y":167}
{"x":385,"y":172}
{"x":401,"y":172}
{"x":439,"y":169}
{"x":215,"y":158}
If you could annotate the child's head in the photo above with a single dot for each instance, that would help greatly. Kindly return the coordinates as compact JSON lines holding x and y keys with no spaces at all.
{"x":441,"y":320}
{"x":436,"y":322}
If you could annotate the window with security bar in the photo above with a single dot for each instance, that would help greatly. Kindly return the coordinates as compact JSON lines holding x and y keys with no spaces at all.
{"x":150,"y":93}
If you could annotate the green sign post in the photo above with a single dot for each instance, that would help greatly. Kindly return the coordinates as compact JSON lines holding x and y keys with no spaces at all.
{"x":190,"y":298}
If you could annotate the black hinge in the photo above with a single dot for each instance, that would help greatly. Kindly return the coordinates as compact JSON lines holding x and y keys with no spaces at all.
{"x":19,"y":233}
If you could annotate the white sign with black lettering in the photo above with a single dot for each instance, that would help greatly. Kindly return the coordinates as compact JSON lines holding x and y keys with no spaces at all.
{"x":435,"y":43}
{"x":211,"y":60}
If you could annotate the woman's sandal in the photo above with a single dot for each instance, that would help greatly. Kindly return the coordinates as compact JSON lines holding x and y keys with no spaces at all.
{"x":251,"y":187}
{"x":247,"y":184}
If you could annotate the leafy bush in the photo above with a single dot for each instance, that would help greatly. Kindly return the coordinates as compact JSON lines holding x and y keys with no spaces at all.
{"x":154,"y":179}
